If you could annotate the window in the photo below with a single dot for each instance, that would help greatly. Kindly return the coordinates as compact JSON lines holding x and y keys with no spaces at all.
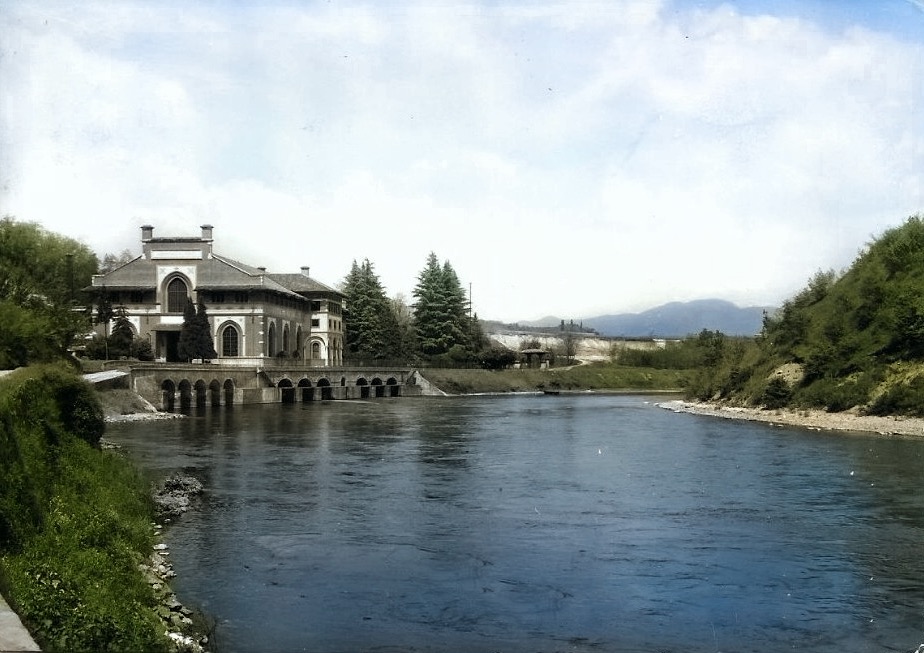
{"x":177,"y":296}
{"x":229,"y":342}
{"x":315,"y":305}
{"x":315,"y":322}
{"x":285,"y":338}
{"x":271,"y":340}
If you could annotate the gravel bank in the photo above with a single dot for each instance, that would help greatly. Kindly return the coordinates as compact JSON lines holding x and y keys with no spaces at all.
{"x":811,"y":419}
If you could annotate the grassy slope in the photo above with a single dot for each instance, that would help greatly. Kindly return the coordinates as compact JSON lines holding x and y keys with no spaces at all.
{"x":596,"y":376}
{"x":75,"y":521}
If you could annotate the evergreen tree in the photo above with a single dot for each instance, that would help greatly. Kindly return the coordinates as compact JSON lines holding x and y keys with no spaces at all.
{"x":120,"y":342}
{"x":440,"y":316}
{"x":370,"y":323}
{"x":186,"y":348}
{"x":204,"y":345}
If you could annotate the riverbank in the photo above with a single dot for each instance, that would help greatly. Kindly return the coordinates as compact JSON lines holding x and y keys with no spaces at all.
{"x":811,"y":419}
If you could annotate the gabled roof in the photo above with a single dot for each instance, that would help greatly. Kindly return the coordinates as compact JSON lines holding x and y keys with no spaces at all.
{"x":213,"y":273}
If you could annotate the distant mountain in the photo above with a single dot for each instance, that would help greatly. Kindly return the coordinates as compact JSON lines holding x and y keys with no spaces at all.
{"x":673,"y":320}
{"x":678,"y":319}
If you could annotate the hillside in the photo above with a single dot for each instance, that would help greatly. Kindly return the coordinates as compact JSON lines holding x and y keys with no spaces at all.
{"x":853,"y":340}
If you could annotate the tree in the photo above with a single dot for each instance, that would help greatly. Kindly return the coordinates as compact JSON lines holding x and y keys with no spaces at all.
{"x":185,"y":348}
{"x":104,"y":315}
{"x":39,"y":272}
{"x":369,"y":317}
{"x":120,"y":342}
{"x":203,"y":344}
{"x":440,"y":313}
{"x":112,"y":261}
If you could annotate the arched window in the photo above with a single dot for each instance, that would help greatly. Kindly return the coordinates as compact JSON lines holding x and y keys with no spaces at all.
{"x":271,"y":340}
{"x":177,"y":296}
{"x":315,"y":350}
{"x":230,"y":341}
{"x":285,"y":338}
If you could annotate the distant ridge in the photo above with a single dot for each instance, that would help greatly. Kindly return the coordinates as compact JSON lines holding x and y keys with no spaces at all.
{"x":675,"y":320}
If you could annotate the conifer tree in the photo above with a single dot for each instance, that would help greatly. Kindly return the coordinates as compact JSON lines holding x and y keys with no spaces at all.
{"x":371,"y":326}
{"x":204,"y":346}
{"x":120,"y":342}
{"x":440,"y":317}
{"x":185,"y":348}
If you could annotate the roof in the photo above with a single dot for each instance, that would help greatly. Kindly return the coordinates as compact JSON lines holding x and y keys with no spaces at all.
{"x":213,"y":273}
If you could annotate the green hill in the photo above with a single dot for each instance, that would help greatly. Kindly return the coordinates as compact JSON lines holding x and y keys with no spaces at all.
{"x":851,"y":340}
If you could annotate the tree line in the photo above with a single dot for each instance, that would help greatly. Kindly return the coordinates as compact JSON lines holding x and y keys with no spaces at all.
{"x":439,"y":328}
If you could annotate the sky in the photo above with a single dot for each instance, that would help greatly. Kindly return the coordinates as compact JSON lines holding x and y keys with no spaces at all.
{"x":572,"y":159}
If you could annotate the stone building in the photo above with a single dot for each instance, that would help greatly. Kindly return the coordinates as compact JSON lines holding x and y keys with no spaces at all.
{"x":253,"y":314}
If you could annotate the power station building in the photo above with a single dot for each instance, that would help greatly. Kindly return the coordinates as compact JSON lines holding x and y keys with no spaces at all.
{"x":253,"y":314}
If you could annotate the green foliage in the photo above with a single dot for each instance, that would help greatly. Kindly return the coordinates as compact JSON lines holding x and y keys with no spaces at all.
{"x":905,"y":398}
{"x":371,"y":320}
{"x":776,"y":394}
{"x":845,"y":331}
{"x":440,"y":315}
{"x":40,"y":277}
{"x":186,"y":348}
{"x":72,"y":520}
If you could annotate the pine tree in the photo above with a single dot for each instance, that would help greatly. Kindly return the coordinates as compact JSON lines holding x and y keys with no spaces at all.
{"x":185,"y":348}
{"x":120,"y":342}
{"x":371,"y":326}
{"x":204,"y":346}
{"x":440,"y":317}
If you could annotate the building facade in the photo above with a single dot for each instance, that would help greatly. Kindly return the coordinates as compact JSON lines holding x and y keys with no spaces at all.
{"x":253,"y":314}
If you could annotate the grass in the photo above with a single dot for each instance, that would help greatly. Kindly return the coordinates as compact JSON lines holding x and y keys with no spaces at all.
{"x":595,"y":376}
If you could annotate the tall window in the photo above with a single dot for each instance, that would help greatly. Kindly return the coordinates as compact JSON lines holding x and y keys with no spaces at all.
{"x":177,"y":296}
{"x":271,"y":340}
{"x":229,"y":342}
{"x":285,"y":338}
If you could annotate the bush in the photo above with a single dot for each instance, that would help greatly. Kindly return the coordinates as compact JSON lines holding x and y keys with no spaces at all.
{"x":776,"y":394}
{"x":901,"y":399}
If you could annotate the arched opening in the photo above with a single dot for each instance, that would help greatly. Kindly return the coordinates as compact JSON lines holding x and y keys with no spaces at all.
{"x":285,"y":339}
{"x":168,"y":395}
{"x":394,"y":389}
{"x":327,"y":392}
{"x":379,"y":388}
{"x":271,"y":340}
{"x":215,"y":393}
{"x":298,"y":342}
{"x":185,"y":388}
{"x":229,"y":392}
{"x":286,"y":391}
{"x":177,"y":295}
{"x":363,"y":388}
{"x":307,"y":390}
{"x":201,"y":393}
{"x":315,"y":351}
{"x":230,"y":341}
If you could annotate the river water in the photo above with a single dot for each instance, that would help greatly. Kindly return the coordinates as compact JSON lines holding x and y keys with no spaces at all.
{"x":540,"y":523}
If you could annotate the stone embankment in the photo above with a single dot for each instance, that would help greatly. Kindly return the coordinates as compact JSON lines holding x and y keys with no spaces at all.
{"x":811,"y":419}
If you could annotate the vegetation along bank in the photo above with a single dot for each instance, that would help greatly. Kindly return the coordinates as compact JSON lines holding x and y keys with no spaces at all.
{"x":77,"y":527}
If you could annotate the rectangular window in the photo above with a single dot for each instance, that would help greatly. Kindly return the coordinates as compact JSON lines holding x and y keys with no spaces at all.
{"x":315,"y":322}
{"x":315,"y":305}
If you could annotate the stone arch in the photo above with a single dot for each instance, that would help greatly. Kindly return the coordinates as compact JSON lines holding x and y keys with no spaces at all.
{"x":327,"y":392}
{"x":394,"y":389}
{"x":286,"y":391}
{"x":315,"y":351}
{"x":215,"y":393}
{"x":168,"y":395}
{"x":229,"y":340}
{"x":379,"y":387}
{"x":307,"y":390}
{"x":176,"y":293}
{"x":185,"y":388}
{"x":201,"y":393}
{"x":228,"y":388}
{"x":363,"y":387}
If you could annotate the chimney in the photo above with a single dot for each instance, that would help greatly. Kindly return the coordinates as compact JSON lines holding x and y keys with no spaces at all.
{"x":147,"y":233}
{"x":207,"y":232}
{"x":306,"y":270}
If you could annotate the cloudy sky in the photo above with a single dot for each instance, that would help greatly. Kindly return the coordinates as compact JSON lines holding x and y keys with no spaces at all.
{"x":572,"y":159}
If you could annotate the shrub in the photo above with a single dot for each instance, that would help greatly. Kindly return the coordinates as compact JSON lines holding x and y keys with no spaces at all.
{"x":901,"y":399}
{"x":776,"y":394}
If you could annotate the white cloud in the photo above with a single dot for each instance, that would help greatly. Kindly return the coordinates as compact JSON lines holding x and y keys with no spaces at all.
{"x":569,"y":159}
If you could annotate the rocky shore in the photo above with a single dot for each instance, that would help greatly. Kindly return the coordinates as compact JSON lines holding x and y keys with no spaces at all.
{"x":812,"y":419}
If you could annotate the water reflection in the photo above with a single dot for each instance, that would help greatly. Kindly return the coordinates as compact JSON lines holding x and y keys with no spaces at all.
{"x":542,"y":523}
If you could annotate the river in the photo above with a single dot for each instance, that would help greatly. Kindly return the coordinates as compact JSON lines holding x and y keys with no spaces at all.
{"x":540,"y":523}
